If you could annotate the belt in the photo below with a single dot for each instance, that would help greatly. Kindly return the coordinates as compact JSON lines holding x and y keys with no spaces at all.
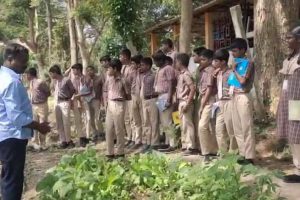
{"x":38,"y":103}
{"x":117,"y":100}
{"x":64,"y":99}
{"x":150,"y":97}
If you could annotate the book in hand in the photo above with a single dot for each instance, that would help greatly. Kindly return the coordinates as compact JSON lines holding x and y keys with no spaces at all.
{"x":241,"y":69}
{"x":162,"y":102}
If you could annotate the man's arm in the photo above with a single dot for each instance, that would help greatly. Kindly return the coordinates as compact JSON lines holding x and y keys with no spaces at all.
{"x":13,"y":99}
{"x":205,"y":98}
{"x":45,"y":88}
{"x":170,"y":74}
{"x":243,"y":79}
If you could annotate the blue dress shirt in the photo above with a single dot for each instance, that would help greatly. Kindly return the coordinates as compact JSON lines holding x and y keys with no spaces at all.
{"x":15,"y":107}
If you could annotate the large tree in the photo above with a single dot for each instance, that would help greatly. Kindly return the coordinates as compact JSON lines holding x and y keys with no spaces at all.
{"x":273,"y":19}
{"x":186,"y":26}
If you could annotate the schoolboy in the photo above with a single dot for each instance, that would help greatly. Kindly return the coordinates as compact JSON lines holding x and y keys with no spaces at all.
{"x":185,"y":92}
{"x":207,"y":91}
{"x":128,"y":73}
{"x":39,"y":93}
{"x":137,"y":110}
{"x":150,"y":110}
{"x":224,"y":127}
{"x":118,"y":94}
{"x":78,"y":80}
{"x":165,"y":82}
{"x":242,"y":108}
{"x":64,"y":90}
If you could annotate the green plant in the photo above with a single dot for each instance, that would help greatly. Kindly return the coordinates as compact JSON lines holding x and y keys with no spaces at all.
{"x":154,"y":176}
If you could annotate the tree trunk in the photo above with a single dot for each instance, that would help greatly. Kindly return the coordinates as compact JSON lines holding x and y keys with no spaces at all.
{"x":31,"y":21}
{"x":131,"y":47}
{"x":72,"y":33}
{"x":49,"y":23}
{"x":272,"y":20}
{"x":81,"y":40}
{"x":185,"y":37}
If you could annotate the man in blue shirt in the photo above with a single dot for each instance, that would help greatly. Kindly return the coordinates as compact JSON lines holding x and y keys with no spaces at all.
{"x":16,"y":121}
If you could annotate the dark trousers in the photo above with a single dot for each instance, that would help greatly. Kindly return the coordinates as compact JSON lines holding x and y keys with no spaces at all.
{"x":12,"y":157}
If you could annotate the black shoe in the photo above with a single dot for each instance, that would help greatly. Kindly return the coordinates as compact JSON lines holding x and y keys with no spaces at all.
{"x":131,"y":144}
{"x":291,"y":178}
{"x":146,"y":149}
{"x":168,"y":150}
{"x":110,"y":157}
{"x":63,"y":145}
{"x":245,"y":162}
{"x":207,"y":159}
{"x":71,"y":144}
{"x":136,"y":146}
{"x":101,"y":137}
{"x":189,"y":152}
{"x":160,"y":146}
{"x":119,"y":156}
{"x":128,"y":143}
{"x":83,"y":141}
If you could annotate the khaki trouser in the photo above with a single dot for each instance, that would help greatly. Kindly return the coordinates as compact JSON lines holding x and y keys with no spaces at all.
{"x":196,"y":120}
{"x":165,"y":122}
{"x":187,"y":126}
{"x":78,"y":119}
{"x":40,"y":114}
{"x":242,"y":118}
{"x":295,"y":148}
{"x":128,"y":120}
{"x":137,"y":116}
{"x":208,"y":141}
{"x":224,"y":127}
{"x":93,"y":124}
{"x":62,"y":115}
{"x":150,"y":125}
{"x":115,"y":125}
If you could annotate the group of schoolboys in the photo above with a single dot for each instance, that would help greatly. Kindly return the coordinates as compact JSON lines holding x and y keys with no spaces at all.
{"x":139,"y":102}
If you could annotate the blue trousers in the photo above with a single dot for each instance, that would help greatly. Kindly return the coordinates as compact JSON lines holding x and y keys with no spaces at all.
{"x":12,"y":157}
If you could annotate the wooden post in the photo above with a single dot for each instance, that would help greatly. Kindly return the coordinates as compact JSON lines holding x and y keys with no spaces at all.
{"x":209,"y":41}
{"x":153,"y":42}
{"x":176,"y":31}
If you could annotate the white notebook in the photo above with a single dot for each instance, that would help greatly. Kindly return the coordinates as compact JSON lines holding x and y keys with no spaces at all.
{"x":294,"y":110}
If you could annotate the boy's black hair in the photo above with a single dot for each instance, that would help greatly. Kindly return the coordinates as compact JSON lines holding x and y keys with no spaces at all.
{"x":159,"y":58}
{"x":168,"y":42}
{"x":137,"y":59}
{"x":105,"y":58}
{"x":239,"y":43}
{"x":13,"y":50}
{"x":31,"y":71}
{"x":198,"y":50}
{"x":91,"y":67}
{"x":169,"y":60}
{"x":296,"y":31}
{"x":55,"y":69}
{"x":77,"y":66}
{"x":222,"y":55}
{"x":183,"y":58}
{"x":147,"y":61}
{"x":207,"y":53}
{"x":116,"y":64}
{"x":126,"y":52}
